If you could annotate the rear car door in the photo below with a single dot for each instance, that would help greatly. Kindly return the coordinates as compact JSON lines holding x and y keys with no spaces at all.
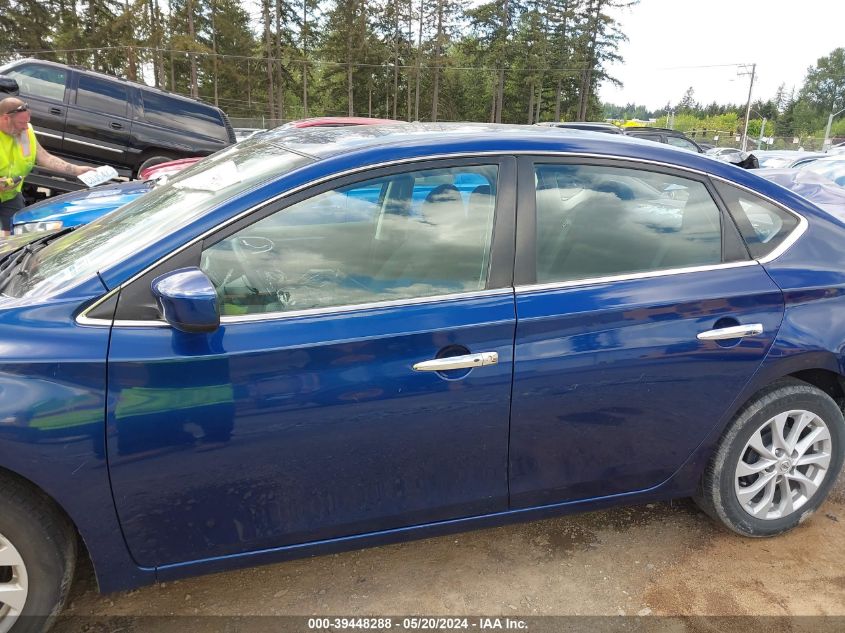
{"x":629,"y":278}
{"x":328,"y":403}
{"x":98,"y":123}
{"x":44,"y":88}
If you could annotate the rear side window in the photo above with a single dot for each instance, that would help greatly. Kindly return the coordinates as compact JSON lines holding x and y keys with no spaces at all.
{"x":104,"y":96}
{"x":763,"y":225}
{"x":40,"y":81}
{"x":596,"y":221}
{"x":182,"y":114}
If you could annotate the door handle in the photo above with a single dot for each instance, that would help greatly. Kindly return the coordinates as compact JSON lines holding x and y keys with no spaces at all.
{"x":736,"y":331}
{"x":467,"y":361}
{"x":55,"y":110}
{"x":115,"y":126}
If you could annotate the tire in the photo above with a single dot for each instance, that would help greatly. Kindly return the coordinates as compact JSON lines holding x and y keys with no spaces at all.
{"x":156,"y":159}
{"x":38,"y":547}
{"x":770,"y":489}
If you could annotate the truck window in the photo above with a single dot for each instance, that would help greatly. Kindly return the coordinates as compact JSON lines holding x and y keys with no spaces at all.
{"x":40,"y":81}
{"x":184,"y":115}
{"x":104,"y":96}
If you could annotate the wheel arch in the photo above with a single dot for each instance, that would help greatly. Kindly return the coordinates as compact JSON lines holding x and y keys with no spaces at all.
{"x":113,"y":566}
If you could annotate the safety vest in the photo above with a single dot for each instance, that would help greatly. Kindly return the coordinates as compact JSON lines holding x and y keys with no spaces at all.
{"x":13,"y":162}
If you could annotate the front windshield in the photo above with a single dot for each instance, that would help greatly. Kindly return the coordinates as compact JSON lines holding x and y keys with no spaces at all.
{"x":164,"y":210}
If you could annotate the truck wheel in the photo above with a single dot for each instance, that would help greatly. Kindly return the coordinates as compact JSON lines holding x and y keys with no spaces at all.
{"x":37,"y":558}
{"x":776,"y":462}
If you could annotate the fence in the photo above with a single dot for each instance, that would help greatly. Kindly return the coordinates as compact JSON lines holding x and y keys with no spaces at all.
{"x":720,"y":138}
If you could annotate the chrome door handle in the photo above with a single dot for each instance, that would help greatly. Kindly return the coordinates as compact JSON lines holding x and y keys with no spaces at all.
{"x":467,"y":361}
{"x":736,"y":331}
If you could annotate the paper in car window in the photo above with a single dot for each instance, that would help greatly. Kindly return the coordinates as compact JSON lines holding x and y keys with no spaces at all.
{"x":98,"y":176}
{"x":214,"y":179}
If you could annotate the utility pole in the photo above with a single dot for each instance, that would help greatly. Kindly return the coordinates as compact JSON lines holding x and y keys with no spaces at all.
{"x":827,"y":142}
{"x":748,"y":104}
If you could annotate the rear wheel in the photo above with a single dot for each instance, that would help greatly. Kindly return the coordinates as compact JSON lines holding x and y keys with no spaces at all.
{"x":776,"y":462}
{"x":37,"y":558}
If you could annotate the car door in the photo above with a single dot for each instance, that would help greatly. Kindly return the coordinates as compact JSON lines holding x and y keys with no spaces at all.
{"x":98,"y":124}
{"x":359,"y":381}
{"x":43,"y":87}
{"x":629,"y":278}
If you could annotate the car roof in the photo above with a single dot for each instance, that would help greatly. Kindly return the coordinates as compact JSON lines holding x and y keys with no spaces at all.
{"x":88,"y":71}
{"x":402,"y":141}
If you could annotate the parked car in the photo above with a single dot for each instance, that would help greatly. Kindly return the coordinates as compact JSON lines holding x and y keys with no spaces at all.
{"x":99,"y":119}
{"x":817,"y":189}
{"x":831,"y":167}
{"x":785,"y":159}
{"x":664,"y":135}
{"x":608,"y":128}
{"x":338,"y":121}
{"x":322,"y":339}
{"x":77,"y":207}
{"x":721,"y":152}
{"x":169,"y":168}
{"x":174,"y":167}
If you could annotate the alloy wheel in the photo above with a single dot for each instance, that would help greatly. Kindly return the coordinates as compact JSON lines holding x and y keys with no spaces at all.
{"x":783,"y":464}
{"x":14,"y":585}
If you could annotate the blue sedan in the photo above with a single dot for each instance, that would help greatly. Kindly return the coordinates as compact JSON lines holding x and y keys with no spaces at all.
{"x":322,"y":339}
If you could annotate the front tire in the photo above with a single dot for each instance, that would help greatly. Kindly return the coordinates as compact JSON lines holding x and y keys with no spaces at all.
{"x":776,"y":462}
{"x":37,"y":558}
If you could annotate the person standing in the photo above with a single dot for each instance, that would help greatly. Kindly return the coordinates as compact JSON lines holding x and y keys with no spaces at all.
{"x":19,"y":153}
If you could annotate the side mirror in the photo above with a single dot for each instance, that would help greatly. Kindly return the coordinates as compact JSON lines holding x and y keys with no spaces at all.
{"x":187,"y":300}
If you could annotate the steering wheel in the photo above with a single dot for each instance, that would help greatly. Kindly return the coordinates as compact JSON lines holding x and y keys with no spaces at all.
{"x":244,"y":248}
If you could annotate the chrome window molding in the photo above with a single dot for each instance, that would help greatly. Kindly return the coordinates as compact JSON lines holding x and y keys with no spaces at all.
{"x":82,"y":319}
{"x":108,"y":149}
{"x":375,"y":305}
{"x":666,"y":272}
{"x":275,"y":316}
{"x":47,"y":134}
{"x":790,"y":239}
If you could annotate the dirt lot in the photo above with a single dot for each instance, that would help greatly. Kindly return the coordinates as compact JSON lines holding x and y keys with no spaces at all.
{"x":656,"y":559}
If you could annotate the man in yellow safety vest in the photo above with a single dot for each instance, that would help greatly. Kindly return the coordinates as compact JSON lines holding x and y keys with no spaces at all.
{"x":19,"y":152}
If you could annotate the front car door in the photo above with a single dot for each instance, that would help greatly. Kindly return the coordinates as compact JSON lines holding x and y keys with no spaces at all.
{"x":314,"y":412}
{"x":628,"y":276}
{"x":98,"y":122}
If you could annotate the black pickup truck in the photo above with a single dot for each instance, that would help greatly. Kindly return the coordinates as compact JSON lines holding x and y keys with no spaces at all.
{"x":92,"y":118}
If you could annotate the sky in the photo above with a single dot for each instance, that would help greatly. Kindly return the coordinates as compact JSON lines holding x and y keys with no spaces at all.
{"x":671,"y":41}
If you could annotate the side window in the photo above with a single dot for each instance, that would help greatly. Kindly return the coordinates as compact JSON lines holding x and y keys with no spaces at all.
{"x":595,"y":221}
{"x":104,"y":96}
{"x":41,"y":81}
{"x":182,"y":114}
{"x":403,"y":236}
{"x":683,"y":143}
{"x":763,"y":225}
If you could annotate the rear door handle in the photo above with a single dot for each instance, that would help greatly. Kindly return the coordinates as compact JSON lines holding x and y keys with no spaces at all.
{"x":467,"y":361}
{"x":55,"y":111}
{"x":115,"y":126}
{"x":736,"y":331}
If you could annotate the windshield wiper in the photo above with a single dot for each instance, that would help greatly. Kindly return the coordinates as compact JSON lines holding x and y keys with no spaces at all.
{"x":13,"y":265}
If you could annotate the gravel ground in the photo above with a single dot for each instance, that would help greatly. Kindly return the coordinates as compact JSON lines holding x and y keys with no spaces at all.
{"x":656,"y":559}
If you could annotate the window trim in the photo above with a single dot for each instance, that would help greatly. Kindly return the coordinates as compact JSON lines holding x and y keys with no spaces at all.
{"x":500,"y":272}
{"x":83,"y":319}
{"x":787,"y":242}
{"x":526,"y":256}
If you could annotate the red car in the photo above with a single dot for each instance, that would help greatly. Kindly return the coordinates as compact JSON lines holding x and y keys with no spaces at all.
{"x":175,"y":166}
